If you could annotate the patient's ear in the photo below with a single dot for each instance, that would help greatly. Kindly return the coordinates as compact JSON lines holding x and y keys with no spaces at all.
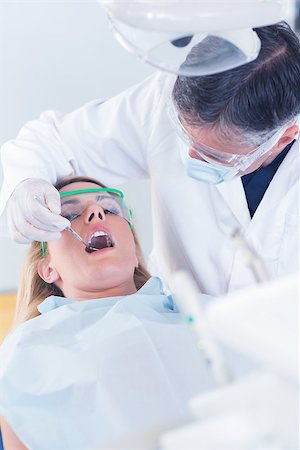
{"x":46,"y":271}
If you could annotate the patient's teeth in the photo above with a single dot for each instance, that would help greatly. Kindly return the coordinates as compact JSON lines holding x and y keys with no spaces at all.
{"x":98,"y":233}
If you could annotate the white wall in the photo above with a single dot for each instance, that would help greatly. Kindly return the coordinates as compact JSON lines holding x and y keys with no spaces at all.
{"x":59,"y":55}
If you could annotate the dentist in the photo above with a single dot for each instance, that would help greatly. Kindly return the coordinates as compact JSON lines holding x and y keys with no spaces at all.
{"x":220,"y":150}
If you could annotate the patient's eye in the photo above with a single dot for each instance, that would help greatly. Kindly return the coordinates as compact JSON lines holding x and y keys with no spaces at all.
{"x":112,"y":211}
{"x":71,"y":208}
{"x":109,"y":205}
{"x":71,"y":216}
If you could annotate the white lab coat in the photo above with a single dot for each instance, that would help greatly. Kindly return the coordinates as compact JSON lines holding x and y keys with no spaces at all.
{"x":129,"y":136}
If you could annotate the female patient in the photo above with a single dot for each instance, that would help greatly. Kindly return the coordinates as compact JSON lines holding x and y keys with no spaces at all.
{"x":105,"y":353}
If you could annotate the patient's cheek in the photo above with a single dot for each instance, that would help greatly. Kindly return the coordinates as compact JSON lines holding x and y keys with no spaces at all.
{"x":64,"y":243}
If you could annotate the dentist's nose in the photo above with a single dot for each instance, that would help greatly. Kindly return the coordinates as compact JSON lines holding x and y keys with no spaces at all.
{"x":94,"y":213}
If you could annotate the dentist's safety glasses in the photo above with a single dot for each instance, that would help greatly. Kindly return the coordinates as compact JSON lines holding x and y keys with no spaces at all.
{"x":192,"y":38}
{"x":217,"y":156}
{"x":74,"y":203}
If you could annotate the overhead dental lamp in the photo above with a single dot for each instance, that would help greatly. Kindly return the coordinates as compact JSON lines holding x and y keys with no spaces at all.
{"x":192,"y":38}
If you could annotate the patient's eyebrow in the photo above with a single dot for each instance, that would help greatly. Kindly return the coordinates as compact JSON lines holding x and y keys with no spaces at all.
{"x":73,"y":201}
{"x":103,"y":196}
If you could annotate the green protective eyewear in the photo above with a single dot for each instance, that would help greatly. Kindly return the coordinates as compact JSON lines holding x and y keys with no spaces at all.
{"x":74,"y":203}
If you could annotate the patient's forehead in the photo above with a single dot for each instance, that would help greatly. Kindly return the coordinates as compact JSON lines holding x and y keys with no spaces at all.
{"x":79,"y":185}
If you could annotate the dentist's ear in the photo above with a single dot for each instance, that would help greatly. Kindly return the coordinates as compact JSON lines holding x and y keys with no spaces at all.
{"x":47,"y":272}
{"x":288,"y":136}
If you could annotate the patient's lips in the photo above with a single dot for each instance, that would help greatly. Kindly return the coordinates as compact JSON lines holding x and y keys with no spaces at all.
{"x":99,"y":240}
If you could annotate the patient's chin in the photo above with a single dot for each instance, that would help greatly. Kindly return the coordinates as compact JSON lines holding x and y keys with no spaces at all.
{"x":109,"y":276}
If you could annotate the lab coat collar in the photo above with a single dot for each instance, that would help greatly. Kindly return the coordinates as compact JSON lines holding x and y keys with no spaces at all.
{"x":285,"y":180}
{"x":234,"y":195}
{"x":152,"y":287}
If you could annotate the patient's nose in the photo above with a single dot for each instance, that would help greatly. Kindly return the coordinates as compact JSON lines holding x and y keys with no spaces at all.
{"x":94,"y":213}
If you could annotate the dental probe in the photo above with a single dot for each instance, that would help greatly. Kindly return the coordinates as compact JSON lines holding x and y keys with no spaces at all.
{"x":73,"y":232}
{"x":188,"y":298}
{"x":76,"y":235}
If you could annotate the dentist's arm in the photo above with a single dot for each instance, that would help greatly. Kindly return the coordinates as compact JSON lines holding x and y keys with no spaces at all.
{"x":105,"y":140}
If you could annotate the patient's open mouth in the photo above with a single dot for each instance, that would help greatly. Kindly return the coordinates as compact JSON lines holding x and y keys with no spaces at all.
{"x":98,"y":241}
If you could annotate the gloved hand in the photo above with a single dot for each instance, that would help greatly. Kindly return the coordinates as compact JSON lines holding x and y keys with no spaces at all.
{"x":30,"y":219}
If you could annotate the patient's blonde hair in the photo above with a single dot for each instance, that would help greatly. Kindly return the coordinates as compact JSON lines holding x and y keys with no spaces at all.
{"x":33,"y":289}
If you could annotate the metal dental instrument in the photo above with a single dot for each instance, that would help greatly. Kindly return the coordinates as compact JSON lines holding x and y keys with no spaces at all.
{"x":73,"y":232}
{"x":76,"y":235}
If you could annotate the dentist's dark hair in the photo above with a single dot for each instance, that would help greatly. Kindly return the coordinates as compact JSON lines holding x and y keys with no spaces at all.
{"x":251,"y":101}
